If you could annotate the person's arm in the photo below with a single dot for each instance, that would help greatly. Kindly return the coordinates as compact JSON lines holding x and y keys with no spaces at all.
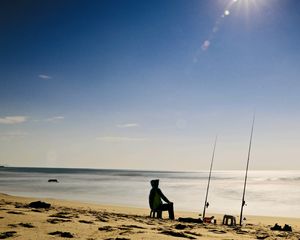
{"x":163,"y":196}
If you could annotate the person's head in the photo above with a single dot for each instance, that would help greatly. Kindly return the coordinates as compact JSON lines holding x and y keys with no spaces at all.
{"x":154,"y":183}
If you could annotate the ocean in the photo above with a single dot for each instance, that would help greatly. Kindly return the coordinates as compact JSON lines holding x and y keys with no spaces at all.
{"x":268,"y":193}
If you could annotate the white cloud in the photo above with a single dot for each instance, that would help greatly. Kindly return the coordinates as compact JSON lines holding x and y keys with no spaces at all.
{"x":17,"y":133}
{"x":128,"y":125}
{"x":54,"y":118}
{"x":13,"y":135}
{"x":44,"y":76}
{"x":13,"y":120}
{"x":119,"y":139}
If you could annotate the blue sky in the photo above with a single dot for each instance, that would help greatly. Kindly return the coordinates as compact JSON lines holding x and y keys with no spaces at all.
{"x":149,"y":84}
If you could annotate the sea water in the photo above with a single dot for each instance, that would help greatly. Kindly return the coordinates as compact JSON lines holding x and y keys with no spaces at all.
{"x":268,"y":193}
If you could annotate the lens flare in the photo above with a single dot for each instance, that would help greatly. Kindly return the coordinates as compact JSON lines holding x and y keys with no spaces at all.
{"x":227,"y":12}
{"x":206,"y":43}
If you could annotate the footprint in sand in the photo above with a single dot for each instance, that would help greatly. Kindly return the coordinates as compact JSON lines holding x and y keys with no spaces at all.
{"x":27,"y":225}
{"x":13,"y":212}
{"x":20,"y":205}
{"x":125,"y":232}
{"x":151,"y":223}
{"x":4,"y":209}
{"x":62,"y":234}
{"x":217,"y":231}
{"x":132,"y":226}
{"x":58,"y":220}
{"x":180,"y":226}
{"x":7,"y":234}
{"x":84,"y":221}
{"x":262,"y":236}
{"x":106,"y":228}
{"x":177,"y":234}
{"x":282,"y":235}
{"x":12,"y":225}
{"x":62,"y":215}
{"x":117,"y":238}
{"x":102,"y":219}
{"x":193,"y":233}
{"x":35,"y":210}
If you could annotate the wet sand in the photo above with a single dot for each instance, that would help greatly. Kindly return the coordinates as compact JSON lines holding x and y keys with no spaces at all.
{"x":66,"y":219}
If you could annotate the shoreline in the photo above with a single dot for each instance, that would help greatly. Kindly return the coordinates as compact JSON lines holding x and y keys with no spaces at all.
{"x":145,"y":211}
{"x":113,"y":217}
{"x":224,"y":198}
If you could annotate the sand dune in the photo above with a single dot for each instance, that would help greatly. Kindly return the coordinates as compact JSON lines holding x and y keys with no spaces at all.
{"x":75,"y":220}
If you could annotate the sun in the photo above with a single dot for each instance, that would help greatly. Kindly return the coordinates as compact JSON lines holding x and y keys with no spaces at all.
{"x":243,"y":6}
{"x":240,"y":8}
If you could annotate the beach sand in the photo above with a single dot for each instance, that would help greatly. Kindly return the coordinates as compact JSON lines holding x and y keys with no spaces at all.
{"x":66,"y":219}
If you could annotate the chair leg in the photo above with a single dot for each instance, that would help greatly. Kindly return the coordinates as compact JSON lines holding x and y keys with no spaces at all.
{"x":157,"y":213}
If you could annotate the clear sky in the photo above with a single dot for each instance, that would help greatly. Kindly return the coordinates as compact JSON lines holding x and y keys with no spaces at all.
{"x":148,"y":85}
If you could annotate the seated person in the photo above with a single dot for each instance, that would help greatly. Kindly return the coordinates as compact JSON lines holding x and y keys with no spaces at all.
{"x":155,"y":202}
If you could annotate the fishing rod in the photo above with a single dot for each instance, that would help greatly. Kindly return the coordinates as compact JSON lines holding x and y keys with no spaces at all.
{"x":206,"y":204}
{"x":246,"y":175}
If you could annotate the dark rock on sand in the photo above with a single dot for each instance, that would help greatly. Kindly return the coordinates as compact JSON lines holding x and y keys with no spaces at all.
{"x":39,"y":204}
{"x":53,"y":180}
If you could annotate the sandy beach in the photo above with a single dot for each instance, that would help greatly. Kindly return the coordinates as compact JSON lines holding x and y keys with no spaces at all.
{"x":66,"y":219}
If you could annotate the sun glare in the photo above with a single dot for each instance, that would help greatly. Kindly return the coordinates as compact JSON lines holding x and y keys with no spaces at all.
{"x":242,"y":6}
{"x":234,"y":6}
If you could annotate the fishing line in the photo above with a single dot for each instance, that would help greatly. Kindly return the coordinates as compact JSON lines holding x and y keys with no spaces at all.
{"x":206,"y":204}
{"x":246,"y":175}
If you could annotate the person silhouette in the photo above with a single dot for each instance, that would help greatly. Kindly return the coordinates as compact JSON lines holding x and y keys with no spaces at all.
{"x":156,"y":203}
